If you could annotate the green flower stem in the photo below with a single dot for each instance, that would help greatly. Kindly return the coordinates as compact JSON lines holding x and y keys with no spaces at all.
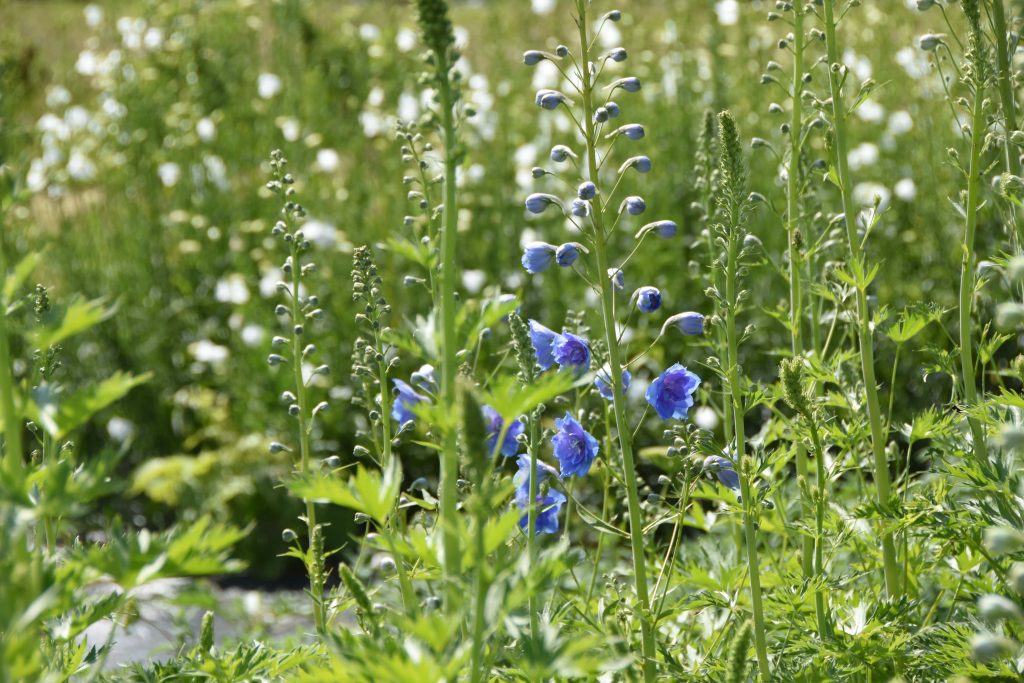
{"x":11,"y":420}
{"x":743,"y":462}
{"x":316,"y":579}
{"x":614,"y":361}
{"x":967,"y":269}
{"x":796,"y":307}
{"x":531,"y":526}
{"x":449,"y":344}
{"x":998,"y":16}
{"x":867,"y":354}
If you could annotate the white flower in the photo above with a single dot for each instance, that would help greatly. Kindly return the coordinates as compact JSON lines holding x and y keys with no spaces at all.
{"x":93,"y":15}
{"x":205,"y":351}
{"x":405,"y":40}
{"x":120,"y":429}
{"x":170,"y":173}
{"x":268,"y":85}
{"x":864,"y":154}
{"x":253,"y":335}
{"x":328,"y":160}
{"x":232,"y":290}
{"x":87,"y":63}
{"x":543,"y":6}
{"x":206,"y":129}
{"x":906,"y":189}
{"x":320,"y":233}
{"x":728,"y":12}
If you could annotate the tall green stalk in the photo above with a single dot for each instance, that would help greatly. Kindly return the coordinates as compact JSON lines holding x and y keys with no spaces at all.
{"x":856,"y":252}
{"x":793,"y":213}
{"x":11,"y":420}
{"x":1003,"y":75}
{"x":978,"y":69}
{"x":733,"y":200}
{"x":622,"y":426}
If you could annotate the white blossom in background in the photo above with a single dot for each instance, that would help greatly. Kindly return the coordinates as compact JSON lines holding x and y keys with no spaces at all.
{"x":906,"y":189}
{"x":328,"y":160}
{"x":206,"y":129}
{"x":728,"y":12}
{"x":268,"y":85}
{"x":170,"y":173}
{"x":864,"y":154}
{"x":93,"y":15}
{"x":405,"y":40}
{"x":864,"y":194}
{"x":120,"y":429}
{"x":205,"y":351}
{"x":542,"y":7}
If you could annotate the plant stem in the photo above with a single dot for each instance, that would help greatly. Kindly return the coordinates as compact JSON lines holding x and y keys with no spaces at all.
{"x":531,"y":528}
{"x":449,"y":344}
{"x":795,"y":259}
{"x":867,"y":355}
{"x":615,"y":367}
{"x":11,"y":420}
{"x":967,"y":269}
{"x":1003,"y":71}
{"x":740,"y":454}
{"x":316,"y":580}
{"x":820,"y":607}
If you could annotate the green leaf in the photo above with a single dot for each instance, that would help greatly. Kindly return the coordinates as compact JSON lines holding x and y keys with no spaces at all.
{"x":60,"y":414}
{"x":366,"y":491}
{"x":78,"y":316}
{"x":21,"y":271}
{"x":511,"y":399}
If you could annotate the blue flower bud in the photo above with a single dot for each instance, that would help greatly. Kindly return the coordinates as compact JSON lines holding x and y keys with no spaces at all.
{"x":538,"y":202}
{"x":614,"y":15}
{"x":618,"y":278}
{"x":629,"y":83}
{"x":538,"y":172}
{"x":618,"y":54}
{"x":724,"y":470}
{"x":580,"y":208}
{"x":568,"y":253}
{"x":533,"y":57}
{"x":648,"y":299}
{"x":633,"y":131}
{"x":537,"y":256}
{"x":613,"y":110}
{"x":586,"y":190}
{"x":562,"y":51}
{"x":560,"y":153}
{"x":600,"y":115}
{"x":641,"y":163}
{"x":634,"y":205}
{"x":665,"y":229}
{"x":550,"y":99}
{"x":689,"y":323}
{"x":603,"y":382}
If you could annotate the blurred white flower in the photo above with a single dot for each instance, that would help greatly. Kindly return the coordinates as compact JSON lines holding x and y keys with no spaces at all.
{"x":728,"y":12}
{"x":543,"y":6}
{"x":320,"y":233}
{"x":871,"y":111}
{"x":87,"y":63}
{"x":205,"y":351}
{"x":369,"y":32}
{"x":864,"y":194}
{"x":864,"y":154}
{"x":206,"y":129}
{"x":153,"y":38}
{"x":268,"y":85}
{"x":328,"y":160}
{"x":405,"y":39}
{"x":80,"y":167}
{"x":93,"y":15}
{"x":473,"y":280}
{"x":906,"y":189}
{"x":900,"y":122}
{"x":170,"y":173}
{"x":232,"y":290}
{"x":120,"y":429}
{"x":57,"y":96}
{"x":290,"y":128}
{"x":705,"y":417}
{"x":253,"y":335}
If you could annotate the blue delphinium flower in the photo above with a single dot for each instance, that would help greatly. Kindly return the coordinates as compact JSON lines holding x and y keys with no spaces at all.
{"x":671,"y":394}
{"x":724,"y":470}
{"x":533,"y":57}
{"x":618,"y":278}
{"x":612,"y":109}
{"x":510,"y":445}
{"x":425,"y":378}
{"x":648,"y":299}
{"x":567,"y":254}
{"x":537,"y":256}
{"x":586,"y":190}
{"x":538,"y":202}
{"x":574,"y":447}
{"x":629,"y":83}
{"x":641,"y":163}
{"x":689,"y":323}
{"x":538,"y":172}
{"x":600,"y":115}
{"x":580,"y":208}
{"x":401,"y":409}
{"x":603,"y":382}
{"x":550,"y":99}
{"x":634,"y":205}
{"x":613,"y":15}
{"x":618,"y":54}
{"x":550,"y":503}
{"x":572,"y":352}
{"x":665,"y":229}
{"x":543,"y":344}
{"x":633,"y":131}
{"x":560,"y":153}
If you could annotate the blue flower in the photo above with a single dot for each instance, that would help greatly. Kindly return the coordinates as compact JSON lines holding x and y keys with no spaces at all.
{"x":401,"y":409}
{"x":425,"y":378}
{"x":560,"y":153}
{"x":538,"y":172}
{"x":603,"y":382}
{"x":618,"y":278}
{"x":567,"y":254}
{"x":665,"y":229}
{"x":538,"y":202}
{"x":634,"y":205}
{"x":572,"y":352}
{"x":613,"y":110}
{"x":543,"y":344}
{"x":562,"y":51}
{"x":532,"y":57}
{"x":550,"y":99}
{"x":617,"y":54}
{"x":574,"y":447}
{"x":689,"y":323}
{"x":586,"y":190}
{"x":537,"y":256}
{"x":724,"y":470}
{"x":633,"y":131}
{"x":671,"y":394}
{"x":613,"y":15}
{"x":494,"y":424}
{"x":600,"y":115}
{"x":550,"y":503}
{"x":648,"y":299}
{"x":629,"y":83}
{"x":580,"y":208}
{"x":641,"y":163}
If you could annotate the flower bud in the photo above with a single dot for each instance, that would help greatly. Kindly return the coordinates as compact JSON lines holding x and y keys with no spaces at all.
{"x":533,"y":57}
{"x":538,"y":202}
{"x":612,"y":109}
{"x":629,"y":84}
{"x":665,"y":229}
{"x":580,"y":208}
{"x":930,"y":41}
{"x":586,"y":190}
{"x":648,"y":299}
{"x":634,"y":205}
{"x":289,"y":536}
{"x":560,"y":153}
{"x":618,"y":278}
{"x":641,"y":163}
{"x":689,"y":323}
{"x":567,"y":254}
{"x":550,"y":99}
{"x":537,"y":257}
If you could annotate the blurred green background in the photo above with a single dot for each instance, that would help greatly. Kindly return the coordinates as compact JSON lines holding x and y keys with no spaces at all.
{"x":141,"y":131}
